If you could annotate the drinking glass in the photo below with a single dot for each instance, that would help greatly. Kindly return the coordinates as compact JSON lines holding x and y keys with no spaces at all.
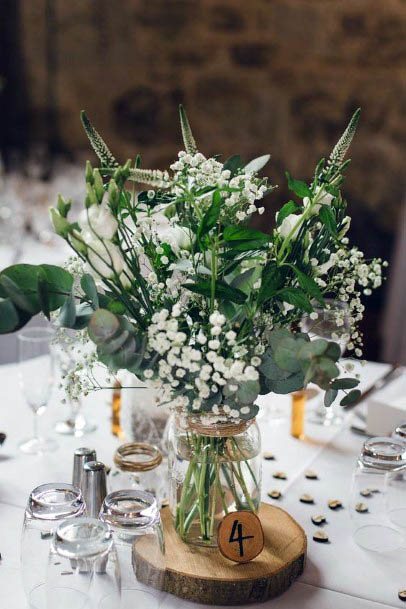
{"x":377,"y":500}
{"x":48,"y":505}
{"x":83,"y":569}
{"x":134,"y":518}
{"x":332,"y":323}
{"x":36,"y":372}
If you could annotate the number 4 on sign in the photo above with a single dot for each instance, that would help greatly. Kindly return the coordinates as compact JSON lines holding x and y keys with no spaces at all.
{"x":240,"y":536}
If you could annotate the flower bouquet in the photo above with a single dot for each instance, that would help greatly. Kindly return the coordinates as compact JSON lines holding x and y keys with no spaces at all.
{"x":172,"y":284}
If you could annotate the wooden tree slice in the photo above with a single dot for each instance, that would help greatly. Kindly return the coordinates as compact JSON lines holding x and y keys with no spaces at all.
{"x":203,"y":575}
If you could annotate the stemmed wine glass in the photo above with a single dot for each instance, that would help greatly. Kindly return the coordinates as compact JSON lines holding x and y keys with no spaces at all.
{"x":36,"y":373}
{"x":332,"y":323}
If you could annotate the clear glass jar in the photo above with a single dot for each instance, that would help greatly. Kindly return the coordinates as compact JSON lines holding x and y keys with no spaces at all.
{"x":381,"y":460}
{"x":48,"y":505}
{"x":83,"y":568}
{"x":138,"y":466}
{"x":135,"y":521}
{"x":214,"y":468}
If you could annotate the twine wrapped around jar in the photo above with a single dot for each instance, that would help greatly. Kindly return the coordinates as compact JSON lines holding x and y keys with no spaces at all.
{"x":140,"y":449}
{"x":218,"y":430}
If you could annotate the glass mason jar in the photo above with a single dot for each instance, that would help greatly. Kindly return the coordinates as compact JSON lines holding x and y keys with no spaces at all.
{"x":214,"y":469}
{"x":48,"y":505}
{"x":381,"y":460}
{"x":135,"y":520}
{"x":138,"y":466}
{"x":83,"y":569}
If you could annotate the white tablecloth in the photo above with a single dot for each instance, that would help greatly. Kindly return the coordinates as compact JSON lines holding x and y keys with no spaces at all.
{"x":337,"y":575}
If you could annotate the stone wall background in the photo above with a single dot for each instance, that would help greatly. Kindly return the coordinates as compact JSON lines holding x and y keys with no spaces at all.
{"x":256,"y":76}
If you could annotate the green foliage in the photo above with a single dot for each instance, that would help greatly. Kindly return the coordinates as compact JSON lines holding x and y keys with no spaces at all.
{"x":351,"y":397}
{"x":327,"y":217}
{"x":188,"y":139}
{"x":97,"y":143}
{"x":300,"y":188}
{"x":223,"y":291}
{"x":211,"y":216}
{"x":234,"y":164}
{"x":27,"y":290}
{"x":343,"y":144}
{"x":289,"y":208}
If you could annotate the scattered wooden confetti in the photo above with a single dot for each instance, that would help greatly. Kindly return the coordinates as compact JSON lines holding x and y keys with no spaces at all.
{"x":366,"y":492}
{"x":280,"y":475}
{"x":274,"y":494}
{"x":311,"y":475}
{"x":305,"y":498}
{"x":320,"y":537}
{"x":361,"y":507}
{"x":319,"y":519}
{"x":268,"y":456}
{"x":402,"y":594}
{"x":335,"y":504}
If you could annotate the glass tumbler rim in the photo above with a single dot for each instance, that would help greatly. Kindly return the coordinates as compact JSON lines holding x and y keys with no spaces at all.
{"x":82,"y":537}
{"x":130,"y":509}
{"x":384,"y":453}
{"x":36,"y":334}
{"x":45,"y":503}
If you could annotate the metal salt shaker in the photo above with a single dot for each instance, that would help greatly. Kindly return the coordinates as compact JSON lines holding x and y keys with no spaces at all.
{"x":80,"y":457}
{"x":94,"y":487}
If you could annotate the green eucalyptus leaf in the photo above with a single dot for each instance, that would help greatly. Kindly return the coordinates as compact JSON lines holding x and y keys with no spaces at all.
{"x":8,"y":316}
{"x":351,"y":397}
{"x":67,"y":315}
{"x":245,"y":281}
{"x":253,"y":411}
{"x":18,"y":295}
{"x":247,"y":392}
{"x":333,"y":351}
{"x":300,"y":188}
{"x":103,"y":326}
{"x":285,"y":354}
{"x":345,"y":383}
{"x":330,"y":396}
{"x":89,"y":287}
{"x":313,"y":348}
{"x":294,"y":382}
{"x":43,"y":293}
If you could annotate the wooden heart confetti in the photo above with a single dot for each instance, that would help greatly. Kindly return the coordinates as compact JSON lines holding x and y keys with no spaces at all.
{"x":361,"y":507}
{"x":402,"y":595}
{"x":311,"y":475}
{"x":335,"y":504}
{"x":268,"y":456}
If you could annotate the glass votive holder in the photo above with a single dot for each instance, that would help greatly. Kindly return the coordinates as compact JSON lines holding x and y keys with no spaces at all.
{"x":48,"y":505}
{"x":138,"y":466}
{"x":83,"y":569}
{"x":135,"y":521}
{"x":372,"y":526}
{"x":400,"y":433}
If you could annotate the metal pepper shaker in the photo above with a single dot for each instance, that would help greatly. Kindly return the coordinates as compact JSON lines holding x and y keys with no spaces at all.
{"x":80,"y":457}
{"x":94,"y":487}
